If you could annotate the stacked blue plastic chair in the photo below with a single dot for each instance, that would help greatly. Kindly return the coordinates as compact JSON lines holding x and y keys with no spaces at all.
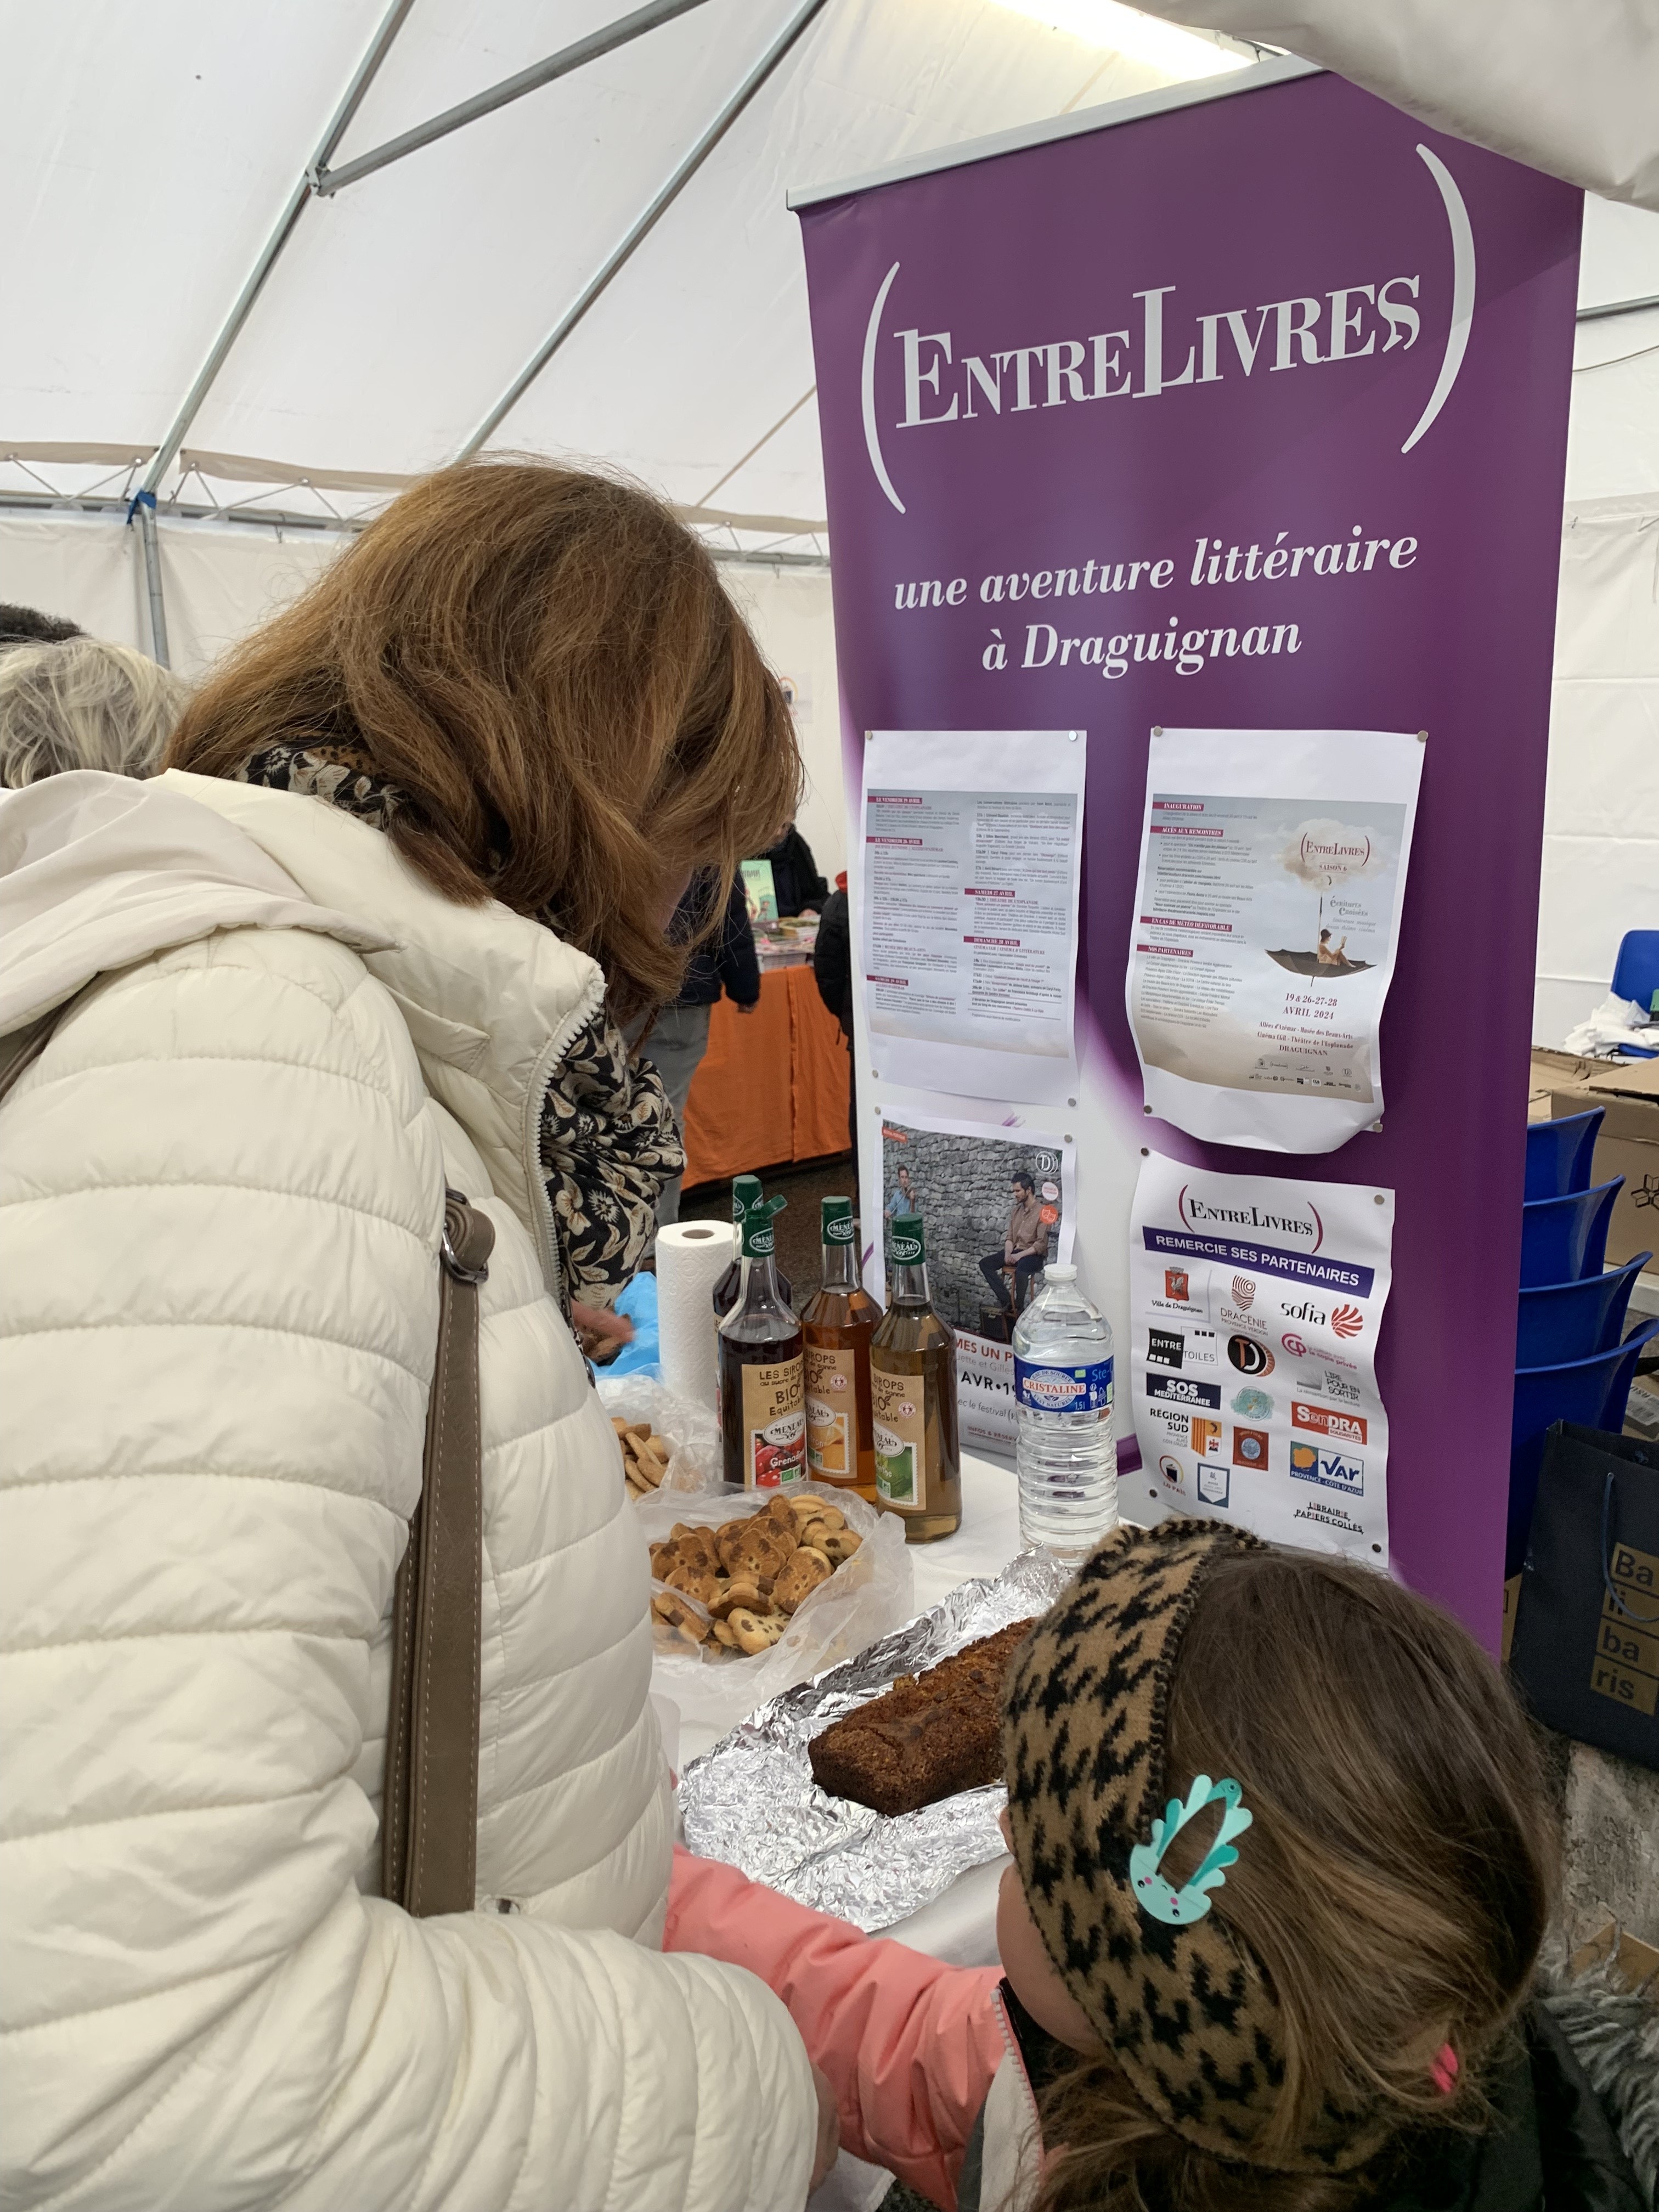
{"x":1572,"y":1360}
{"x":1636,"y":976}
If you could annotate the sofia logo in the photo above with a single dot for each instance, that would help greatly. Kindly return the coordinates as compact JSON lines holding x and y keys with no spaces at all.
{"x":1159,"y":339}
{"x":906,"y":1251}
{"x":1347,"y":1321}
{"x":1051,"y":1391}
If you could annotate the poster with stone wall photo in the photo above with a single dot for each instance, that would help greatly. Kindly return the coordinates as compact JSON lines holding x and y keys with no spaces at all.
{"x":997,"y":1206}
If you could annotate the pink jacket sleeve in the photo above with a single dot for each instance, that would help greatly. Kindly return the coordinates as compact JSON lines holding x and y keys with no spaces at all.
{"x":909,"y":2047}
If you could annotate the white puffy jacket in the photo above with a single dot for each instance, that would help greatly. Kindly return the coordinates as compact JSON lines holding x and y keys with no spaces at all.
{"x":220,"y":1194}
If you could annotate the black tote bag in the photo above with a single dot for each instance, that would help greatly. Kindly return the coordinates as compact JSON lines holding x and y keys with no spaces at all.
{"x":1586,"y":1649}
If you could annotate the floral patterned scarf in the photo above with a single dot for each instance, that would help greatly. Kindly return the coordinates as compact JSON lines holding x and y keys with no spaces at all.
{"x":608,"y":1138}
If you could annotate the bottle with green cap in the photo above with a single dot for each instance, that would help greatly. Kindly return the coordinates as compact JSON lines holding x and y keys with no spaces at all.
{"x":745,"y":1190}
{"x":762,"y":1378}
{"x":838,"y":1324}
{"x":913,"y":1396}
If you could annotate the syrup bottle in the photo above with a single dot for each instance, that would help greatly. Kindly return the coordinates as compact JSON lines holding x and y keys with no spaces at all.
{"x":913,"y":1397}
{"x":745,"y":1190}
{"x":762,"y":1381}
{"x":837,"y":1325}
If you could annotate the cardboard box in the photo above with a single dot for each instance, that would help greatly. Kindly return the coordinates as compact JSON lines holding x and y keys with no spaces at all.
{"x":1627,"y":1144}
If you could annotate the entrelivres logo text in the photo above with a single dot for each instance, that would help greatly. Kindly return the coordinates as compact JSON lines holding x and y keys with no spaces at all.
{"x":1162,"y":346}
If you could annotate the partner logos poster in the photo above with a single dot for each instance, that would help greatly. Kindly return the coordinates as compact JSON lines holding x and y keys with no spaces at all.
{"x":1266,"y":913}
{"x":997,"y":1206}
{"x":972,"y":857}
{"x":1256,"y":1303}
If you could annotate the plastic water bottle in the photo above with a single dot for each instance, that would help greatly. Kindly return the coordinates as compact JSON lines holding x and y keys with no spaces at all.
{"x":1066,"y":1454}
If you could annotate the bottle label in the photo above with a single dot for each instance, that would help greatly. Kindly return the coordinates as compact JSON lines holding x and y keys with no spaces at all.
{"x":899,"y":1407}
{"x":831,"y":1413}
{"x":1049,"y":1389}
{"x":773,"y":1425}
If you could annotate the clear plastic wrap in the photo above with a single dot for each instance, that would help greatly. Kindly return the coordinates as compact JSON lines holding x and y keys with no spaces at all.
{"x":694,"y":1462}
{"x":865,"y":1597}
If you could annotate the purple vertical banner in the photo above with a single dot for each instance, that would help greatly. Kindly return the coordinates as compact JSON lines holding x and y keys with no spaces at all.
{"x":1281,"y":367}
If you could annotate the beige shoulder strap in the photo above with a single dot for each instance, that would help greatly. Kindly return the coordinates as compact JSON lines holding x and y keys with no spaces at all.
{"x":429,"y":1811}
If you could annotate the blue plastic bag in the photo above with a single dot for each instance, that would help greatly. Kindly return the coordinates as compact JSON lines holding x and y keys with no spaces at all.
{"x":643,"y":1356}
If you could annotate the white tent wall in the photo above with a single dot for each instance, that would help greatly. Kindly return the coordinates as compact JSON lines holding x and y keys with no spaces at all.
{"x":220,"y":580}
{"x":1600,"y":867}
{"x":789,"y":609}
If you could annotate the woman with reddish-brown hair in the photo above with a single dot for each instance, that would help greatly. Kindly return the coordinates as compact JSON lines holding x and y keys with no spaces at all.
{"x":369,"y":938}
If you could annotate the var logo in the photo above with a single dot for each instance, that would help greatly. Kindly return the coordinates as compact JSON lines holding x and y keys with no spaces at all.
{"x":1332,"y":1470}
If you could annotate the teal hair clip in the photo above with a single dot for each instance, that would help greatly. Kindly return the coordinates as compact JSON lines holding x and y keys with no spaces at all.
{"x":1179,"y":1908}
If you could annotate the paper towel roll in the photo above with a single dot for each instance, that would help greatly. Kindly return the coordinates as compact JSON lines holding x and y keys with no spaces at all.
{"x":691,"y":1257}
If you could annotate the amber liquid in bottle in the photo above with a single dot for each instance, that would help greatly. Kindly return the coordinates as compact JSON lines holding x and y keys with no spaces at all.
{"x":762,"y":1386}
{"x":913,"y":1389}
{"x":837,"y":1325}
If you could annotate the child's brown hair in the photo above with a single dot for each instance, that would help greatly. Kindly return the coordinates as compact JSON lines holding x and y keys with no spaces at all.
{"x":1391,"y":1892}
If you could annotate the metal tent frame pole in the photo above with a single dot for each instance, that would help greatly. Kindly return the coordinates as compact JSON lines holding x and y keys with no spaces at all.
{"x":143,"y":512}
{"x":1619,"y":307}
{"x":645,"y":224}
{"x":379,"y":46}
{"x":325,"y":181}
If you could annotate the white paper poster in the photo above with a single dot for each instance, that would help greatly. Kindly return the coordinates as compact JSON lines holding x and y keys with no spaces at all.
{"x":972,"y":847}
{"x":1255,"y":1302}
{"x":1266,"y":913}
{"x":997,"y":1205}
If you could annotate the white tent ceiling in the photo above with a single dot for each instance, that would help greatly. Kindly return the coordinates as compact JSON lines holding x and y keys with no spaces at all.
{"x":149,"y":157}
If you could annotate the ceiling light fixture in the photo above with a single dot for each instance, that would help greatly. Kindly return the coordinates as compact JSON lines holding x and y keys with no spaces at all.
{"x":1166,"y":47}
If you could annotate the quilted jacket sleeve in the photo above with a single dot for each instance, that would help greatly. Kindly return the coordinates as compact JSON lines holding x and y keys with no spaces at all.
{"x":910,"y":2046}
{"x":219,"y":1200}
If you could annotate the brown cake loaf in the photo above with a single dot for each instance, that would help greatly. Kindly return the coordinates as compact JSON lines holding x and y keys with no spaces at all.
{"x":929,"y":1736}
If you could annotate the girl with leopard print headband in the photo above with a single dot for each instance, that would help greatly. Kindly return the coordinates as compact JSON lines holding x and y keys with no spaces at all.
{"x":1282,"y":1862}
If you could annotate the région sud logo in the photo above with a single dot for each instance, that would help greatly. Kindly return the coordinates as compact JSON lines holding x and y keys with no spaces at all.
{"x":1165,"y":341}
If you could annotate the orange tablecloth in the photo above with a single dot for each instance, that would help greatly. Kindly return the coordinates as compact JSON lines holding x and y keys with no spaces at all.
{"x":773,"y":1086}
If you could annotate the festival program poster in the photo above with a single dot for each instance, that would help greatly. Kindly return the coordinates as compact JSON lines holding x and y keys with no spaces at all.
{"x":1266,"y":913}
{"x":972,"y":850}
{"x":1256,"y":1301}
{"x":997,"y":1206}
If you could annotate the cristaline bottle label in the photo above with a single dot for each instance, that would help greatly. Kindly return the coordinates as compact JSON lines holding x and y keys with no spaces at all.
{"x":773,"y":1425}
{"x":1049,"y":1389}
{"x":899,"y":1410}
{"x":831,"y":1413}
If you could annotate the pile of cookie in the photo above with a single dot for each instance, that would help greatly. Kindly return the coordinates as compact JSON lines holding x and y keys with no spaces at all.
{"x":645,"y":1456}
{"x":745,"y":1578}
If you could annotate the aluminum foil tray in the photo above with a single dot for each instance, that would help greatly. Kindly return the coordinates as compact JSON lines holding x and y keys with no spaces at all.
{"x":752,"y":1802}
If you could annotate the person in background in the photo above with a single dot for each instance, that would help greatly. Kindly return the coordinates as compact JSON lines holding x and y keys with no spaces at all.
{"x":832,"y":971}
{"x":795,"y":879}
{"x":1024,"y":1248}
{"x":1327,"y":2004}
{"x":723,"y":962}
{"x":901,"y":1198}
{"x":83,"y":703}
{"x":27,"y":626}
